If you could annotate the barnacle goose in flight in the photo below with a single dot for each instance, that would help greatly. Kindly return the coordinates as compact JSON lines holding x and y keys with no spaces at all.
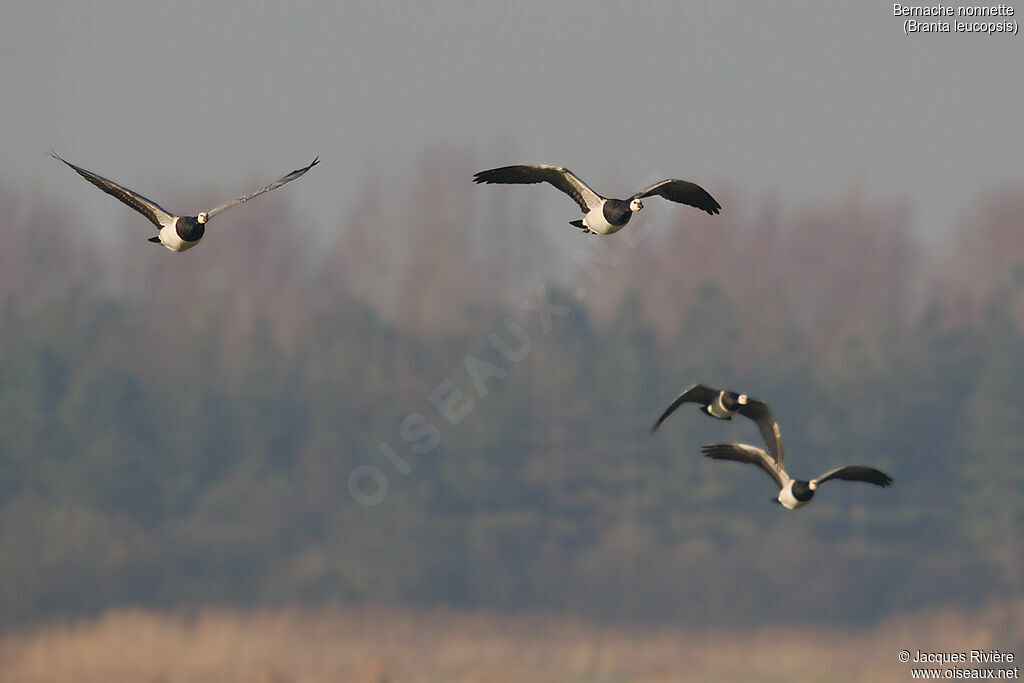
{"x":793,"y":493}
{"x":177,"y":233}
{"x":723,"y":404}
{"x":603,"y":215}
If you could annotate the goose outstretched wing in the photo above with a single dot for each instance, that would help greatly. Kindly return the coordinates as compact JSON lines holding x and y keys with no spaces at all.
{"x":156,"y":214}
{"x":698,"y":393}
{"x":682,"y":192}
{"x":528,"y":174}
{"x":297,"y":173}
{"x":855,"y":473}
{"x":741,"y":452}
{"x":761,"y":414}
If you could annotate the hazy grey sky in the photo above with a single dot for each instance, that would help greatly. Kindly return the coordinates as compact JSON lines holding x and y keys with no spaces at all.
{"x":804,"y":99}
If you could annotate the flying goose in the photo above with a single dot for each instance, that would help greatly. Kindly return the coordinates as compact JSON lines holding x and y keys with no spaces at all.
{"x":177,"y":233}
{"x":793,"y":493}
{"x":603,"y":216}
{"x":722,"y":404}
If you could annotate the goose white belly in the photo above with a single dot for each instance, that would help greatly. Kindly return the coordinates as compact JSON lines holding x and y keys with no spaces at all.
{"x":596,"y":221}
{"x":169,"y":238}
{"x":787,"y":498}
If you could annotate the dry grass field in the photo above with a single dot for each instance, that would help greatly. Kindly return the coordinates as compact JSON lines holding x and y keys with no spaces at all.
{"x":388,"y":645}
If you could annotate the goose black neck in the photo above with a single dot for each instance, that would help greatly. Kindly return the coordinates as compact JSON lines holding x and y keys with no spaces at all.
{"x":189,"y":228}
{"x":617,"y":211}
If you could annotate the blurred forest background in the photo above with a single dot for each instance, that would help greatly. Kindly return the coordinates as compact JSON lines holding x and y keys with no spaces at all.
{"x":180,"y":430}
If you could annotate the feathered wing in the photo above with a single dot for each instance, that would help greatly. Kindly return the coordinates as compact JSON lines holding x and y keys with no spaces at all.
{"x":156,"y":214}
{"x":741,"y":452}
{"x":856,"y":473}
{"x":682,"y":192}
{"x":528,"y":174}
{"x":698,"y":393}
{"x":761,"y":414}
{"x":297,"y":173}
